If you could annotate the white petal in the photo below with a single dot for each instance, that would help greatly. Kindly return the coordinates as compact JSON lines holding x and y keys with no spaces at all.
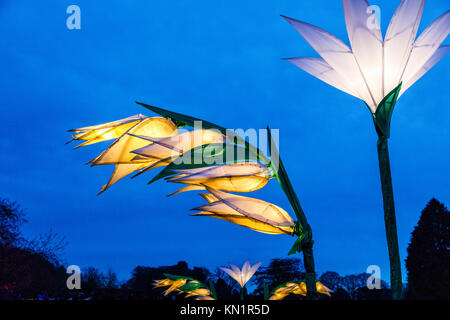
{"x":337,"y":54}
{"x":245,"y":272}
{"x":251,"y":271}
{"x":438,"y":55}
{"x":110,"y":124}
{"x":231,"y":273}
{"x":323,"y":71}
{"x":399,"y":41}
{"x":426,"y":45}
{"x":367,"y":44}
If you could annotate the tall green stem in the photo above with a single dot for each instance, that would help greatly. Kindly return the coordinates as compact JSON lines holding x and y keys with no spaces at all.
{"x":389,"y":218}
{"x":305,"y":242}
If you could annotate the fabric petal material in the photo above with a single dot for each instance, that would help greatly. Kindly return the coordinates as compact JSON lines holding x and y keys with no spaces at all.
{"x":254,"y":208}
{"x":123,"y":169}
{"x":435,"y":58}
{"x":323,"y":71}
{"x":399,"y":41}
{"x":338,"y":55}
{"x":365,"y":37}
{"x":120,"y":150}
{"x":426,"y":45}
{"x":110,"y":124}
{"x":176,"y":145}
{"x":232,"y":177}
{"x":243,"y":275}
{"x":252,"y":213}
{"x":119,"y":153}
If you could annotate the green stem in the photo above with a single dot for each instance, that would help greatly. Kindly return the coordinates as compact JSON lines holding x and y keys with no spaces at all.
{"x":307,"y":243}
{"x":310,"y":275}
{"x":389,"y":218}
{"x":242,"y":293}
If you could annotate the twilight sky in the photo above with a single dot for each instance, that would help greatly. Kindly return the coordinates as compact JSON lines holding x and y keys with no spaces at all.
{"x":220,"y":61}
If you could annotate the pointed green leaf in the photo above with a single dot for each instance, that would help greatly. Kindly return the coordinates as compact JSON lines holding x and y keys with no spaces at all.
{"x":190,"y":286}
{"x":193,"y":122}
{"x":383,"y":115}
{"x":297,"y":247}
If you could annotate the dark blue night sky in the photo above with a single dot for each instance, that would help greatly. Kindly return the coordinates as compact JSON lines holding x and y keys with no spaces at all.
{"x":220,"y":61}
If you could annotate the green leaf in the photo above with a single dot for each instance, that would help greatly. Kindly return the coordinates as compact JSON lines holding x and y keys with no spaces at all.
{"x":383,"y":114}
{"x":297,"y":246}
{"x":190,"y":286}
{"x":205,"y":156}
{"x":193,"y":122}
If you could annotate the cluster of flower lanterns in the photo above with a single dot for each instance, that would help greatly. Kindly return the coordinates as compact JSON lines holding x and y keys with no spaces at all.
{"x":375,"y":69}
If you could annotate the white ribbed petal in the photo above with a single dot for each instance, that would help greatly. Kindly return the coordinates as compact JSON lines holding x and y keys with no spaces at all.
{"x":399,"y":41}
{"x":426,"y":45}
{"x":437,"y":56}
{"x":367,"y":44}
{"x":323,"y":71}
{"x":338,"y":55}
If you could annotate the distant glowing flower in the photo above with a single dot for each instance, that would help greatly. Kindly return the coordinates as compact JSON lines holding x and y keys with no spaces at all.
{"x":242,"y":275}
{"x":119,"y":152}
{"x":174,"y":284}
{"x":232,"y":177}
{"x":248,"y":212}
{"x":372,"y":67}
{"x":180,"y":284}
{"x":298,"y":288}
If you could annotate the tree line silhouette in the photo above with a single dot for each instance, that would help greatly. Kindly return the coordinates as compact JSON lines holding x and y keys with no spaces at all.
{"x":32,"y":269}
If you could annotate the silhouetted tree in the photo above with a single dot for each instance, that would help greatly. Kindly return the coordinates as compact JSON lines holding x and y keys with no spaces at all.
{"x":11,"y":219}
{"x":111,"y":281}
{"x":353,"y":286}
{"x":278,"y":272}
{"x":28,"y":269}
{"x":226,"y":287}
{"x":331,"y":280}
{"x":92,"y":278}
{"x":428,"y":258}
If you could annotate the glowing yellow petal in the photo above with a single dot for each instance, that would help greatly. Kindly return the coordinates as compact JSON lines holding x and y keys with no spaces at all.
{"x":253,"y":208}
{"x":122,"y":170}
{"x":107,"y":131}
{"x":198,"y":292}
{"x":187,"y":188}
{"x":177,"y":145}
{"x":247,"y":222}
{"x":120,"y":150}
{"x":162,"y":283}
{"x":205,"y":298}
{"x":175,"y":285}
{"x":278,"y":296}
{"x":232,"y":177}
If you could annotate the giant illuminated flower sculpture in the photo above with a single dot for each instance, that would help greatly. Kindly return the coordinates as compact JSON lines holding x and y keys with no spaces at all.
{"x":211,"y":158}
{"x":378,"y":71}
